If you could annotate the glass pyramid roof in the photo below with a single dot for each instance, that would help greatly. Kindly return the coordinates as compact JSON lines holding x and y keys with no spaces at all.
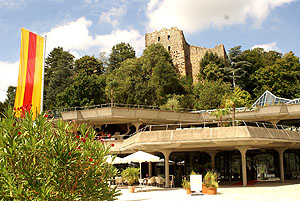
{"x":267,"y":98}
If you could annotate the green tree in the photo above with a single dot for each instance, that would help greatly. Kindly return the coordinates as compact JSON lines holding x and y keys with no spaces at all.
{"x":85,"y":90}
{"x":10,"y":96}
{"x":163,"y":78}
{"x":237,"y":69}
{"x":120,"y":53}
{"x":187,"y":98}
{"x":172,"y":104}
{"x":2,"y":109}
{"x":58,"y":75}
{"x":211,"y":67}
{"x":220,"y":113}
{"x":127,"y":84}
{"x":89,"y":65}
{"x":208,"y":94}
{"x":147,"y":80}
{"x":282,"y":78}
{"x":259,"y":59}
{"x":238,"y":98}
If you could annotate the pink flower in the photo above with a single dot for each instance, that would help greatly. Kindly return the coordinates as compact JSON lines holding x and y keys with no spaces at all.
{"x":69,"y":153}
{"x":77,"y":136}
{"x":109,"y":135}
{"x":78,"y":147}
{"x":112,"y":145}
{"x":83,"y":140}
{"x":90,"y":159}
{"x":19,"y":133}
{"x":46,"y":115}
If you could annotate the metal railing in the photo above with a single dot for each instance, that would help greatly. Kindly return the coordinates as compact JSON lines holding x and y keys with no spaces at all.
{"x":214,"y":125}
{"x":56,"y":113}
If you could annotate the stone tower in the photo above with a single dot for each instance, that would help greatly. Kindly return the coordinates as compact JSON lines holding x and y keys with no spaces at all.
{"x":186,"y":58}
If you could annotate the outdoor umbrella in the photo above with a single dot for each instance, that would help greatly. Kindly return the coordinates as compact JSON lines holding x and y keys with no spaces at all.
{"x":139,"y":157}
{"x":117,"y":160}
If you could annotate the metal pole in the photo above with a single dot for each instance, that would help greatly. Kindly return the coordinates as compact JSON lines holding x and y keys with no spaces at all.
{"x":140,"y":170}
{"x":43,"y":74}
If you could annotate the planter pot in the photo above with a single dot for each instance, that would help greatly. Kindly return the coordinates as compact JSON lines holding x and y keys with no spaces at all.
{"x":211,"y":191}
{"x":188,"y":191}
{"x":131,"y":189}
{"x":204,"y":189}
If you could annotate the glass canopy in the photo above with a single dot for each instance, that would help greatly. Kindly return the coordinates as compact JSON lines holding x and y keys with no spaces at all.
{"x":267,"y":98}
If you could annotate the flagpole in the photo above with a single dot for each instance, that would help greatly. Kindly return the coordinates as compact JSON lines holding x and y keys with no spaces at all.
{"x":43,"y":74}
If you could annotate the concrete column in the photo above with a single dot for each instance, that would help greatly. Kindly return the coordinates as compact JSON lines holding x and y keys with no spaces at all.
{"x":281,"y":151}
{"x":243,"y":151}
{"x":137,"y":126}
{"x":274,"y":122}
{"x":167,"y":170}
{"x":150,"y":169}
{"x":212,"y":157}
{"x":128,"y":129}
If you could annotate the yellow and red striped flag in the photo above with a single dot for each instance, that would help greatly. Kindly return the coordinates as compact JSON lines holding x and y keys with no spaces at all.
{"x":29,"y":88}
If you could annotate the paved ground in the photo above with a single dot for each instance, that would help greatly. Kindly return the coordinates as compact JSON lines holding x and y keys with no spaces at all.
{"x":261,"y":191}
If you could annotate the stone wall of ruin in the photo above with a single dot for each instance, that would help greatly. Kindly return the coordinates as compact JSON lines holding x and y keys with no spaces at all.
{"x":197,"y":53}
{"x":173,"y":40}
{"x":186,"y":58}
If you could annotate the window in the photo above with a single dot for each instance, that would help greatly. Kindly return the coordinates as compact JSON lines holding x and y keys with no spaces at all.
{"x":168,"y":37}
{"x":169,"y":48}
{"x":158,"y":39}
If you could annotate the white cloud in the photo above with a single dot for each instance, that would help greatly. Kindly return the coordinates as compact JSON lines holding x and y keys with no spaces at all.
{"x":132,"y":36}
{"x":11,"y":4}
{"x":75,"y":37}
{"x":8,"y":76}
{"x":112,"y":16}
{"x":90,"y":1}
{"x":192,"y":16}
{"x":71,"y":36}
{"x":267,"y":47}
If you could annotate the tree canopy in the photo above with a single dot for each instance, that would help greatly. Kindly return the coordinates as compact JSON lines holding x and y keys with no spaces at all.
{"x":151,"y":79}
{"x":58,"y":74}
{"x":211,"y":67}
{"x":10,"y":96}
{"x":119,"y":53}
{"x":144,"y":80}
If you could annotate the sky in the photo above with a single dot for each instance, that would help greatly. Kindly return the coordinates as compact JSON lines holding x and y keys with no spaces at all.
{"x":91,"y":27}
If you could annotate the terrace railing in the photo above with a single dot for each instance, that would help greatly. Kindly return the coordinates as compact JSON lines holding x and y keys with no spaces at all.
{"x":213,"y":125}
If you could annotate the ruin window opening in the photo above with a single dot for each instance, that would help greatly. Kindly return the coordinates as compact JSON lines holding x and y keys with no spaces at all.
{"x":169,"y":48}
{"x":158,"y":39}
{"x":168,"y":37}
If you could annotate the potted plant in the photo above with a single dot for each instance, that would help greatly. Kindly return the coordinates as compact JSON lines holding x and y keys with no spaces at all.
{"x":211,"y":182}
{"x":186,"y":184}
{"x":131,"y":175}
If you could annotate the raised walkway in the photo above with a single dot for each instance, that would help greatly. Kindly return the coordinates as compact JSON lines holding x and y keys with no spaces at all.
{"x":125,"y":115}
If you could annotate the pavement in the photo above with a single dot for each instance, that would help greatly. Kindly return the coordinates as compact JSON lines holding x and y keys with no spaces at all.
{"x":261,"y":191}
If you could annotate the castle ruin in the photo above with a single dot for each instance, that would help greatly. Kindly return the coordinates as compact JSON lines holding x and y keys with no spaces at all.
{"x":186,"y":58}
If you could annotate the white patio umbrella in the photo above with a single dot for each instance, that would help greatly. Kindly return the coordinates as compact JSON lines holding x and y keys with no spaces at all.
{"x":139,"y":157}
{"x":117,"y":160}
{"x":161,"y":162}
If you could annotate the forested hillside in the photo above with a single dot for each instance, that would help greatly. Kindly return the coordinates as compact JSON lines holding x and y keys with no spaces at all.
{"x":151,"y":79}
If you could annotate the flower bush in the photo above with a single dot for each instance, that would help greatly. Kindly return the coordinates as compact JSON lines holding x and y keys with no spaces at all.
{"x":52,"y":160}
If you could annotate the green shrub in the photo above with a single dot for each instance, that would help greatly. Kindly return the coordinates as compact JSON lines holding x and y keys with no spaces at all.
{"x":185,"y":183}
{"x":131,"y":175}
{"x":52,"y":160}
{"x":211,"y":179}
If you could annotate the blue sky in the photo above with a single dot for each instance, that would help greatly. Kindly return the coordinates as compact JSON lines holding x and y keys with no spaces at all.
{"x":89,"y":27}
